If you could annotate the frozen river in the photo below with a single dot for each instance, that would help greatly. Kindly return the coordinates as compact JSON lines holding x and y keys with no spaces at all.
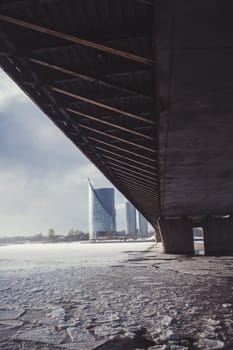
{"x":124,"y":296}
{"x":26,"y":256}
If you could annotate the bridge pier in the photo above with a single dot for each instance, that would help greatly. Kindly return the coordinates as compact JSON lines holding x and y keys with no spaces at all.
{"x":177,"y":235}
{"x":218,"y":235}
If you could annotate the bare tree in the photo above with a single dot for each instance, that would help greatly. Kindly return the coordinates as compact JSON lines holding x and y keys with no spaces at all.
{"x":51,"y":234}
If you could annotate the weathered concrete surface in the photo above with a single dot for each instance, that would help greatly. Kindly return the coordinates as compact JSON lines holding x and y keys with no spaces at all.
{"x":193,"y":41}
{"x":149,"y":301}
{"x":177,"y":236}
{"x":218,"y":235}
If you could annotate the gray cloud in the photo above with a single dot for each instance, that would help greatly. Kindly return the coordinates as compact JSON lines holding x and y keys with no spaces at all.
{"x":43,"y":177}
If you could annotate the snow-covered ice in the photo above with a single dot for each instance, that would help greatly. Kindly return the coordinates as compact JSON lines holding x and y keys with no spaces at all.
{"x":113,"y":297}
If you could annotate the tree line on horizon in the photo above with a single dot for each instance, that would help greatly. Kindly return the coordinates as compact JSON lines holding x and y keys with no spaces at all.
{"x":72,"y":236}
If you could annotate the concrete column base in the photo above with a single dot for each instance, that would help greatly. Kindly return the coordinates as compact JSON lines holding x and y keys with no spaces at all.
{"x":218,"y":235}
{"x":177,"y":236}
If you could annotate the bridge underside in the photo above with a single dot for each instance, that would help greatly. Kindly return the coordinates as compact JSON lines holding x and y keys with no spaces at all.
{"x":195,"y":75}
{"x":145,"y":89}
{"x":195,"y":53}
{"x":89,"y":66}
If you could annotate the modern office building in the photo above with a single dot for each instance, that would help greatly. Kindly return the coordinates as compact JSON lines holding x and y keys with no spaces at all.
{"x":102,"y":214}
{"x":143,"y":225}
{"x":130,"y":219}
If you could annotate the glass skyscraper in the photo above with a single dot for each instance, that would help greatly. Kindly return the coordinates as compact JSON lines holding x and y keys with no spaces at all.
{"x":130,"y":219}
{"x":143,"y":225}
{"x":102,"y":214}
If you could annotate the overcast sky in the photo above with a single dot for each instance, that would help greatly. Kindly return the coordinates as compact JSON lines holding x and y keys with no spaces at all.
{"x":43,"y":177}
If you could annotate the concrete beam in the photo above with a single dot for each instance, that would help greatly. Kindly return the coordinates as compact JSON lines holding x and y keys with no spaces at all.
{"x":77,"y":40}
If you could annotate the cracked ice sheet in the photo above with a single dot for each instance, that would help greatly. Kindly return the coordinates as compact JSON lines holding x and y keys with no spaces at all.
{"x":6,"y":314}
{"x":78,"y":335}
{"x":11,"y":323}
{"x":89,"y":305}
{"x":47,"y":335}
{"x":6,"y":333}
{"x":82,"y":346}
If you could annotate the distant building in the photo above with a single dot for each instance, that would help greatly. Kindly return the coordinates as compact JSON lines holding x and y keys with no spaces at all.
{"x":102,"y":214}
{"x":143,"y":225}
{"x":130,"y":219}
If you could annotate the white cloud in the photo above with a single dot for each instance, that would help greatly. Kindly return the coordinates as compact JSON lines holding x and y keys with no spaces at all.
{"x":10,"y":91}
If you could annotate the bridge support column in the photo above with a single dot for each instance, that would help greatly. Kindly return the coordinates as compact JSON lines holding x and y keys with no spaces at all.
{"x":177,"y":236}
{"x":218,"y":235}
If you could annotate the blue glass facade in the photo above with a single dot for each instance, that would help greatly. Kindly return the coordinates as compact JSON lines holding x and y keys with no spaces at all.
{"x":143,"y":225}
{"x":102,"y":214}
{"x":130,"y":219}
